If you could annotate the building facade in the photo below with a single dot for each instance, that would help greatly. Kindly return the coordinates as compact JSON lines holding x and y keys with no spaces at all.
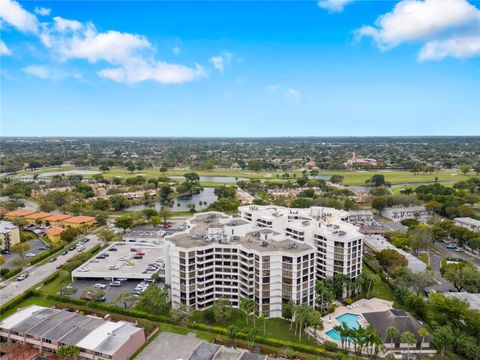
{"x":9,"y":235}
{"x":269,"y":254}
{"x":399,"y":213}
{"x":48,"y":329}
{"x":468,"y":223}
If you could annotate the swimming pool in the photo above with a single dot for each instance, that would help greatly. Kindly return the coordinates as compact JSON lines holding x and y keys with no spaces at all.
{"x":350,"y":319}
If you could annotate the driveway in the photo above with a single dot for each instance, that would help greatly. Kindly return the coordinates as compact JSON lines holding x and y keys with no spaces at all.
{"x":37,"y":273}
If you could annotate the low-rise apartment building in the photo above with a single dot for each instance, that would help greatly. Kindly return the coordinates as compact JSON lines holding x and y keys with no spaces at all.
{"x":9,"y":235}
{"x":48,"y":329}
{"x":468,"y":223}
{"x":361,"y":217}
{"x":399,"y":213}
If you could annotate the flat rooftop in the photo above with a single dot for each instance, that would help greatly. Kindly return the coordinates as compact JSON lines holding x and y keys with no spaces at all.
{"x":120,"y":263}
{"x":197,"y":235}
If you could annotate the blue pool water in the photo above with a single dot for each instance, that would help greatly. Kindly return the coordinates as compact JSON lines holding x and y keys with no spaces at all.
{"x":350,"y":319}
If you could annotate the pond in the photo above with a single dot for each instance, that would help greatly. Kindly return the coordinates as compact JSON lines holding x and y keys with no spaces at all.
{"x":69,"y":172}
{"x":180,"y":204}
{"x":223,"y":179}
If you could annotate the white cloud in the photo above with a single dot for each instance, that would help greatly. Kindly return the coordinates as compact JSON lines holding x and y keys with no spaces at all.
{"x":131,"y":56}
{"x":13,"y":14}
{"x":431,"y":22}
{"x":62,"y":24}
{"x":42,"y":11}
{"x":456,"y":47}
{"x":293,"y":94}
{"x":273,"y":87}
{"x":137,"y":70}
{"x":40,"y":71}
{"x":221,"y":61}
{"x":334,"y":5}
{"x":4,"y":50}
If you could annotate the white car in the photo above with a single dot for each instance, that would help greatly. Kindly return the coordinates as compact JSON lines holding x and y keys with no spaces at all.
{"x":100,"y":286}
{"x":30,"y":255}
{"x":81,"y":248}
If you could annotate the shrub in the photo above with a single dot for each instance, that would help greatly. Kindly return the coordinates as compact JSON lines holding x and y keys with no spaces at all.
{"x":4,"y":272}
{"x":12,"y":273}
{"x":330,"y":346}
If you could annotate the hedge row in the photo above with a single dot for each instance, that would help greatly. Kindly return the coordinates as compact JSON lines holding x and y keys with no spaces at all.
{"x":103,"y":307}
{"x":15,"y":301}
{"x":159,"y":318}
{"x":45,"y":254}
{"x":307,"y":349}
{"x":12,"y":273}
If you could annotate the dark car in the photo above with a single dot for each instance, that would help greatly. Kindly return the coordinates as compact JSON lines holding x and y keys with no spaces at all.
{"x":53,"y":259}
{"x":65,"y":252}
{"x":6,"y":252}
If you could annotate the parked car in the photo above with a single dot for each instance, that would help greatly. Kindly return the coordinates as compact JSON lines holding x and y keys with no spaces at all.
{"x":451,"y":246}
{"x":65,"y":252}
{"x":59,"y":266}
{"x":53,"y":259}
{"x":113,"y":249}
{"x":81,"y":248}
{"x":133,"y":250}
{"x":6,"y":252}
{"x":100,"y":286}
{"x":115,"y":284}
{"x":113,"y":267}
{"x":30,"y":254}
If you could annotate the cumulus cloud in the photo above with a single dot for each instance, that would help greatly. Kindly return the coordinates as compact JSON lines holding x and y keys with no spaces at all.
{"x":129,"y":57}
{"x":13,"y":14}
{"x":40,"y":71}
{"x":4,"y":50}
{"x":221,"y":61}
{"x":293,"y":94}
{"x":334,"y":5}
{"x":456,"y":47}
{"x":42,"y":11}
{"x":445,"y":27}
{"x":137,"y":69}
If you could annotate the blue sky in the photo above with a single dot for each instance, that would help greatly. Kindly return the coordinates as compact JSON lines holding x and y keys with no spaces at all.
{"x":327,"y":68}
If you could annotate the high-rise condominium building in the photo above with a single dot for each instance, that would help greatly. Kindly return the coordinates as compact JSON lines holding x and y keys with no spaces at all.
{"x":269,"y":254}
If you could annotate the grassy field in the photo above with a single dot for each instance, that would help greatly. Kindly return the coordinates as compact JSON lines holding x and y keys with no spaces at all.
{"x":274,"y":328}
{"x":350,"y":177}
{"x":380,"y":290}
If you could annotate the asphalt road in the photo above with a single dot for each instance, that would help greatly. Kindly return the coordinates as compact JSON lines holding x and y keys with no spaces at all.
{"x":37,"y":273}
{"x":462,"y":255}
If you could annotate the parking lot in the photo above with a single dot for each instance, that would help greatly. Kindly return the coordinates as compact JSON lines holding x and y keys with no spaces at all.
{"x":123,"y":261}
{"x":35,"y":245}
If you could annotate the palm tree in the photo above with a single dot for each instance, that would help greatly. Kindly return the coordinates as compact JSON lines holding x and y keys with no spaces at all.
{"x":315,"y":321}
{"x":408,"y":338}
{"x":392,"y":334}
{"x":232,"y":333}
{"x":325,"y":295}
{"x":247,"y":305}
{"x":423,"y":333}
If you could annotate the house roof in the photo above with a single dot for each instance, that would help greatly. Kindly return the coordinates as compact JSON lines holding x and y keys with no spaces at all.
{"x":79,"y":219}
{"x":39,"y":215}
{"x":399,"y":319}
{"x":59,"y":217}
{"x":54,"y":231}
{"x":19,"y":213}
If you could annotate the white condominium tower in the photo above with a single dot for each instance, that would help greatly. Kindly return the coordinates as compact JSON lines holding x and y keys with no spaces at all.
{"x":269,"y":254}
{"x":222,"y":257}
{"x":338,"y":244}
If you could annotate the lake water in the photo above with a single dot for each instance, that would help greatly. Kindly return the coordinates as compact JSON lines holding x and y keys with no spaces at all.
{"x":69,"y":172}
{"x":181,"y":204}
{"x":225,"y":179}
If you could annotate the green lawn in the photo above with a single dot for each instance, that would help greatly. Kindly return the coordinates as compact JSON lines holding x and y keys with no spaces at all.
{"x":424,"y":257}
{"x":380,"y":290}
{"x":27,"y":302}
{"x":275,"y":327}
{"x":350,"y":177}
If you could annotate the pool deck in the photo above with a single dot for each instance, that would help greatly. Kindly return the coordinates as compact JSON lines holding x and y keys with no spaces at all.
{"x":358,"y":308}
